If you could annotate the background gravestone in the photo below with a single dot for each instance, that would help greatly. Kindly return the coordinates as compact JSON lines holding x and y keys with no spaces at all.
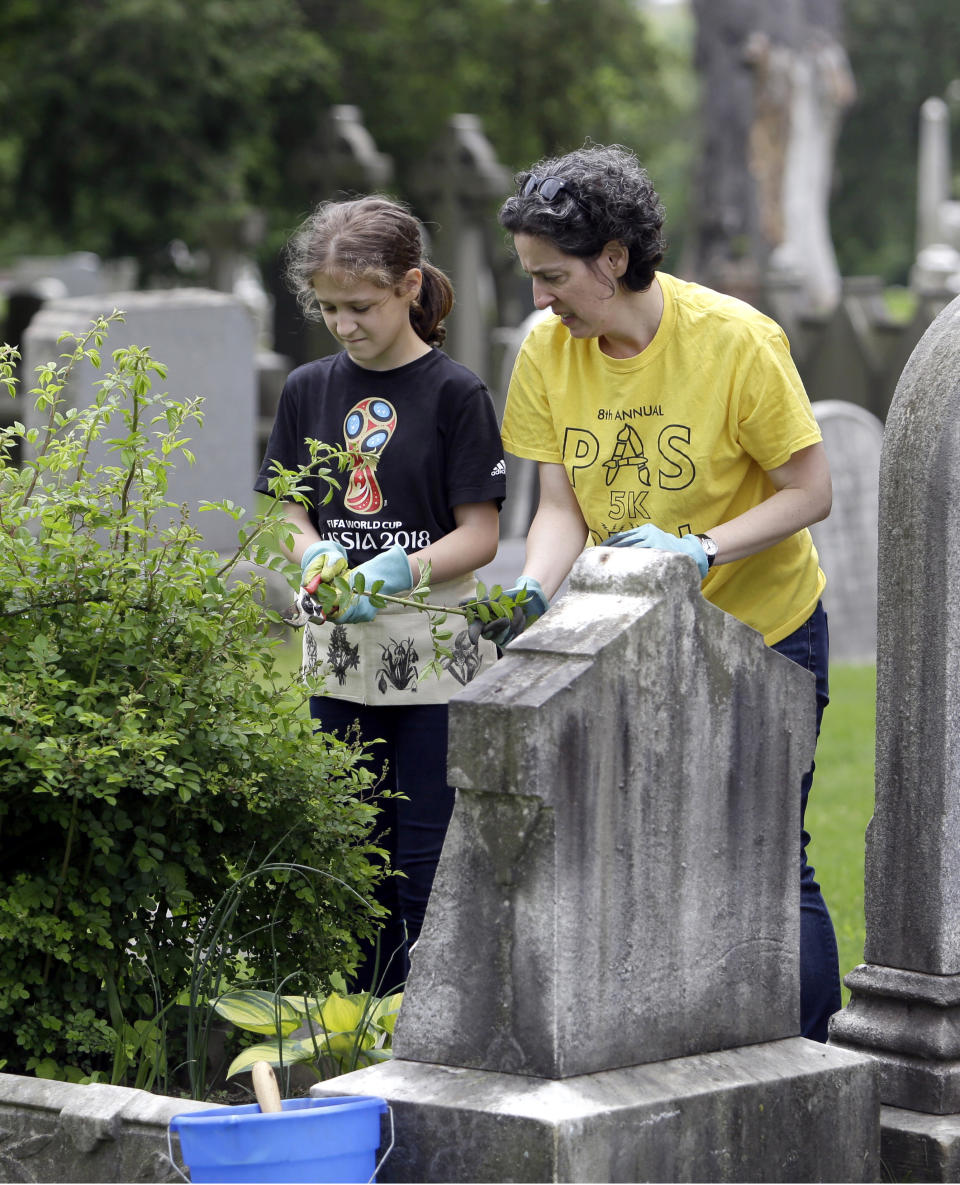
{"x":458,"y":186}
{"x":207,"y":340}
{"x":846,"y":541}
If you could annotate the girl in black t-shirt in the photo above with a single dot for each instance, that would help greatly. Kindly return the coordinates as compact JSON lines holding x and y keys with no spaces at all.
{"x":426,"y":483}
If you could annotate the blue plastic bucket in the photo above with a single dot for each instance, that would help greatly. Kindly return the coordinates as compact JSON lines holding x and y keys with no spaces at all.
{"x":315,"y":1140}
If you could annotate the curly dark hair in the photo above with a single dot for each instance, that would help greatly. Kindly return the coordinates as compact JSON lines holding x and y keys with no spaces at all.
{"x":373,"y":238}
{"x":607,"y":195}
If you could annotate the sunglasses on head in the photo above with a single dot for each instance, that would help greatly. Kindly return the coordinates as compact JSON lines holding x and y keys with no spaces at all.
{"x":549,"y":188}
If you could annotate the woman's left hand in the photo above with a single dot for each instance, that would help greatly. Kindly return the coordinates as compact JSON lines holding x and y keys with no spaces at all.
{"x":650,"y":536}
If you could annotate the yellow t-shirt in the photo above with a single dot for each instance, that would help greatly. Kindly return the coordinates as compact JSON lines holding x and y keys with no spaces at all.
{"x":680,"y":435}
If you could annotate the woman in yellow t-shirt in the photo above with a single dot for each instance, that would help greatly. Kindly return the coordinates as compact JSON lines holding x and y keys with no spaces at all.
{"x":665,"y":415}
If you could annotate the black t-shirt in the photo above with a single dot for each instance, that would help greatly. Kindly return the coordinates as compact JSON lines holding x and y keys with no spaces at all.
{"x":424,"y":438}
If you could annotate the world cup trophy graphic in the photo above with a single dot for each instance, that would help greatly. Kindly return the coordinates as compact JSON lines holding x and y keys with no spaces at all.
{"x":366,"y":429}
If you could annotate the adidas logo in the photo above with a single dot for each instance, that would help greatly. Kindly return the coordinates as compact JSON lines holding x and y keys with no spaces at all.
{"x":499,"y":469}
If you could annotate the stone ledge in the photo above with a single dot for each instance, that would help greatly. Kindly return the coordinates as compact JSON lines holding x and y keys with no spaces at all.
{"x":789,"y":1110}
{"x":60,"y":1131}
{"x":931,"y":1086}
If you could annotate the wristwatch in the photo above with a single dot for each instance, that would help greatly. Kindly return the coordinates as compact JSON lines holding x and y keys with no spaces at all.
{"x":709,"y":548}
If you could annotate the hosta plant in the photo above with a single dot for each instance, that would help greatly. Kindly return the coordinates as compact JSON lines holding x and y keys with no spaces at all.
{"x":332,"y":1035}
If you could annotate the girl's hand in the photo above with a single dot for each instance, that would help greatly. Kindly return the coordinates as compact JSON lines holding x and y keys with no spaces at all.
{"x":321,"y":563}
{"x":390,"y":570}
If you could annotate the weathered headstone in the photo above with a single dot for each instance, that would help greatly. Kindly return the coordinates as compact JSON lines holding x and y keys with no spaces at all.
{"x":905,"y":998}
{"x":846,"y":354}
{"x":349,"y":160}
{"x":77,"y":273}
{"x":457,"y":185}
{"x":607,"y":984}
{"x":207,"y":341}
{"x":818,"y":89}
{"x":933,"y":170}
{"x":846,"y":541}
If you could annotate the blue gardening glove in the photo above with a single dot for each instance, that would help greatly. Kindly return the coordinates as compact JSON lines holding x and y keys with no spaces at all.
{"x":650,"y":536}
{"x":392,"y":567}
{"x":503,"y":630}
{"x":321,"y":562}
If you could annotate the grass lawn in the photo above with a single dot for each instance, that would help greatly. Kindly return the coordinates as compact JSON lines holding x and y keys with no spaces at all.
{"x":841,"y":804}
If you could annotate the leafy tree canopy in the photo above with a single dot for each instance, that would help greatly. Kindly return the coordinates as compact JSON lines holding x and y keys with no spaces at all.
{"x":127,"y":123}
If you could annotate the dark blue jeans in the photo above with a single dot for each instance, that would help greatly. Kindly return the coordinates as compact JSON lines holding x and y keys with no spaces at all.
{"x":412,"y":761}
{"x":809,"y":646}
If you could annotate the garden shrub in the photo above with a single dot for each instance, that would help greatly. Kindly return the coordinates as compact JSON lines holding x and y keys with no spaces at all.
{"x":150,"y":754}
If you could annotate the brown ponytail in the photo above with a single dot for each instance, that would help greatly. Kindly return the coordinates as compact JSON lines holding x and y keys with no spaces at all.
{"x":432,"y":305}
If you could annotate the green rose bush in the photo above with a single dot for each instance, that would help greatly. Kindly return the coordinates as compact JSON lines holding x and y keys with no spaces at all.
{"x":153,"y":760}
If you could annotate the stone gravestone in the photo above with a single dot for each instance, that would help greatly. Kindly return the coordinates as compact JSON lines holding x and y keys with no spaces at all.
{"x":607,"y":983}
{"x":458,"y":185}
{"x":937,"y":264}
{"x":207,"y":341}
{"x":905,"y":999}
{"x":78,"y":273}
{"x":847,"y":540}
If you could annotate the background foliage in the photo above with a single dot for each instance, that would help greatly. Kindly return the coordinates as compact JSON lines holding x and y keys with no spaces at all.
{"x":128,"y":123}
{"x":902,"y":52}
{"x":125,"y":124}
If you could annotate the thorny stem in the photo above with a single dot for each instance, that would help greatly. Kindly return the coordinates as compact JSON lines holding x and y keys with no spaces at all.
{"x":63,"y":375}
{"x":64,"y":869}
{"x":413,"y":603}
{"x":134,"y":463}
{"x":55,"y":604}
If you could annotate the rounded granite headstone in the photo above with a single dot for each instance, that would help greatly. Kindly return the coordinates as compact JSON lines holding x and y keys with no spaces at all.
{"x":846,"y":541}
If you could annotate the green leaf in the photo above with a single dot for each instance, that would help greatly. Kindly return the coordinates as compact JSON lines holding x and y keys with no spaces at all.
{"x":48,"y":1068}
{"x":343,"y":1045}
{"x":384,"y":1016}
{"x":340,"y":1014}
{"x":256,"y":1012}
{"x":277,"y":1053}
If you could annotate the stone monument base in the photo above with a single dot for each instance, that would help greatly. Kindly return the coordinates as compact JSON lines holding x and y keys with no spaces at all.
{"x":910,"y":1021}
{"x":915,"y":1146}
{"x":790,"y":1110}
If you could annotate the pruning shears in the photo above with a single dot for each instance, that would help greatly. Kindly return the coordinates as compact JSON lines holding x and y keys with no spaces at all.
{"x":303,"y":609}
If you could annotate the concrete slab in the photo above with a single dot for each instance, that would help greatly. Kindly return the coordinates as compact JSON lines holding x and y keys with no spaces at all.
{"x":779,"y":1111}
